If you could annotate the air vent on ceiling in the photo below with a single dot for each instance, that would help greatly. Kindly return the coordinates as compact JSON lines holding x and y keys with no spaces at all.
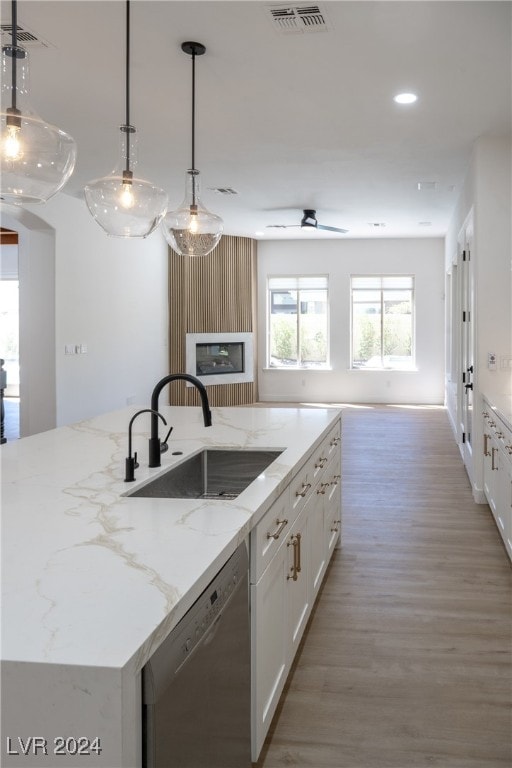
{"x":298,"y":18}
{"x":223,"y":190}
{"x":26,"y":38}
{"x":422,"y":185}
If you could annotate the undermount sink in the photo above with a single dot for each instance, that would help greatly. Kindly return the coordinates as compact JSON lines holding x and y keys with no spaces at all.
{"x":211,"y":474}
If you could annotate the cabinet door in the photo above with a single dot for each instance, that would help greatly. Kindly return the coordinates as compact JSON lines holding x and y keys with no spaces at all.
{"x":333,"y":514}
{"x":507,"y":506}
{"x":491,"y":461}
{"x":504,"y":506}
{"x":269,"y":641}
{"x":297,"y":581}
{"x":316,"y":511}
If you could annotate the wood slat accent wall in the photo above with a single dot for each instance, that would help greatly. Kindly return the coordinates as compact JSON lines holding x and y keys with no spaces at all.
{"x":208,"y":295}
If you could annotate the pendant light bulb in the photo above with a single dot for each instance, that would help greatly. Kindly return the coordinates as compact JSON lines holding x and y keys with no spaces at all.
{"x":123,"y":204}
{"x":36,"y":158}
{"x":127,"y":197}
{"x":192,"y":230}
{"x":12,"y":149}
{"x":193,"y":227}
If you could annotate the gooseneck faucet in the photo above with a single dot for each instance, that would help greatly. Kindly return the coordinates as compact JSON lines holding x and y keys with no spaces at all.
{"x":131,"y":462}
{"x":155,"y":446}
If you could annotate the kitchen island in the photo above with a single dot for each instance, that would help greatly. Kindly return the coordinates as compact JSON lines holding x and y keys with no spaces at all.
{"x":93,"y":581}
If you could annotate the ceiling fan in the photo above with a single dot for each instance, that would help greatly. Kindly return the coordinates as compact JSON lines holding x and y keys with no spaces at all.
{"x":308,"y":221}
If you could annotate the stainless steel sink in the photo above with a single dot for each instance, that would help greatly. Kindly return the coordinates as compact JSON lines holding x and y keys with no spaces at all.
{"x":211,"y":474}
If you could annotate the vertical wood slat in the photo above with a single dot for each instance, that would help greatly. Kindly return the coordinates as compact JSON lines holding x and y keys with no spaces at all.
{"x":214,"y":294}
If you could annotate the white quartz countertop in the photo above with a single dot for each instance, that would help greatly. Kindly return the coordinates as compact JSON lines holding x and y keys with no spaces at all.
{"x":502,"y":406}
{"x":93,"y":578}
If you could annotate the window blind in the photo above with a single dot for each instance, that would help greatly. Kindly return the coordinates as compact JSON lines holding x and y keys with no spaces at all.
{"x":298,"y":282}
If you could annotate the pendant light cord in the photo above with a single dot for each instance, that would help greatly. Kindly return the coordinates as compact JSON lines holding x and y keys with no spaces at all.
{"x":127,"y":124}
{"x":193,"y":110}
{"x":14,"y":35}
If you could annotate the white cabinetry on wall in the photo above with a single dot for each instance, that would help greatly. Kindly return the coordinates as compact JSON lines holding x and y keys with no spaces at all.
{"x":290,"y":550}
{"x":497,"y":456}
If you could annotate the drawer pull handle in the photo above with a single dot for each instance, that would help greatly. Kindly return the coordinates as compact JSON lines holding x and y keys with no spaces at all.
{"x":322,"y":488}
{"x":335,"y":524}
{"x":295,"y":568}
{"x":282,"y":525}
{"x":493,"y":451}
{"x":305,"y":489}
{"x":500,"y":435}
{"x":486,"y":450}
{"x":335,"y":441}
{"x":321,"y":463}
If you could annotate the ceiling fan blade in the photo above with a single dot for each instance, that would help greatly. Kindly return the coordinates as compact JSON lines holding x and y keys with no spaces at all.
{"x":331,"y":229}
{"x":281,"y":226}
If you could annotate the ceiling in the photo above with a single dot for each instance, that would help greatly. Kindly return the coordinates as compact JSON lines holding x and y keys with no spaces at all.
{"x":289,"y":120}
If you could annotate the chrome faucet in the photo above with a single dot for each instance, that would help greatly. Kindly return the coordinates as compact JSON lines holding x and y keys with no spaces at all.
{"x":156,"y":448}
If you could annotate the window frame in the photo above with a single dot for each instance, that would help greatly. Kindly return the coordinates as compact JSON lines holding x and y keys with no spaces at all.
{"x":381,"y":277}
{"x":294,"y":284}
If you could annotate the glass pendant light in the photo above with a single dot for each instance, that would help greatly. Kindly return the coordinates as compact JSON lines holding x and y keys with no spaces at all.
{"x":123,"y":204}
{"x":36,"y":158}
{"x":192,"y":230}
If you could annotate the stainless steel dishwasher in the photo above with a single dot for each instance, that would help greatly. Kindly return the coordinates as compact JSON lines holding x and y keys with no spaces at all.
{"x":196,"y":686}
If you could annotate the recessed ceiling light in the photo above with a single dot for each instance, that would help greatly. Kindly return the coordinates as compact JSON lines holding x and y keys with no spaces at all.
{"x":425,"y":223}
{"x":259,"y":234}
{"x":405,"y":98}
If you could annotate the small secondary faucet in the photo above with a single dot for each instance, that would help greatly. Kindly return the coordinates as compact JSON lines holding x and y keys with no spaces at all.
{"x":131,"y":462}
{"x":155,"y":446}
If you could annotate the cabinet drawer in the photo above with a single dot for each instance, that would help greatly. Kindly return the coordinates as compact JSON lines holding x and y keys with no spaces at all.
{"x":269,"y":534}
{"x":306,"y":479}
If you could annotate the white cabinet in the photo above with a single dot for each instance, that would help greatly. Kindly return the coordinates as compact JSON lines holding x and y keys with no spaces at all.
{"x":290,"y":550}
{"x":279,"y":613}
{"x":497,"y":458}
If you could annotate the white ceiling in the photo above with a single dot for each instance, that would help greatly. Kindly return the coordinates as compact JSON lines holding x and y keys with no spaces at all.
{"x":288,"y":120}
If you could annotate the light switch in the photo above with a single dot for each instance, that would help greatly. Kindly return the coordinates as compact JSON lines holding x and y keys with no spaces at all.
{"x":491,"y":361}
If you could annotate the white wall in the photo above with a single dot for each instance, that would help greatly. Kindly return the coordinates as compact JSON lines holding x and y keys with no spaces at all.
{"x":487,"y":191}
{"x":487,"y":194}
{"x":422,"y":258}
{"x":493,"y":213}
{"x":36,"y":274}
{"x":110,"y":294}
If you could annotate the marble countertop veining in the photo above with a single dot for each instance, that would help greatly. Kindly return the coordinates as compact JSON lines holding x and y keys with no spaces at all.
{"x":93,"y":578}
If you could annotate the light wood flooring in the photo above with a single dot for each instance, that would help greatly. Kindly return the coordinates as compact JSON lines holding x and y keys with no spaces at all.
{"x":406,"y":661}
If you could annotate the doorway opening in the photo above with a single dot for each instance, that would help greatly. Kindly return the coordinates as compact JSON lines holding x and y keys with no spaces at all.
{"x":9,"y":335}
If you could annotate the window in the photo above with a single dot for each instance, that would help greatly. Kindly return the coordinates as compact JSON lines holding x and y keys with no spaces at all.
{"x":382,"y":322}
{"x":298,"y":322}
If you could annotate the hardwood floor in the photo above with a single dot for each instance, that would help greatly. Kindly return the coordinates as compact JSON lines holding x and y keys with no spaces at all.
{"x":407,"y":659}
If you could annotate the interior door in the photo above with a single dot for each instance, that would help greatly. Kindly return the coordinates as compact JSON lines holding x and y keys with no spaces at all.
{"x":467,"y":373}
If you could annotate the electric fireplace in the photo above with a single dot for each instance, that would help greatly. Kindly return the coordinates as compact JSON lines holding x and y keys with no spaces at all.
{"x":220,"y":358}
